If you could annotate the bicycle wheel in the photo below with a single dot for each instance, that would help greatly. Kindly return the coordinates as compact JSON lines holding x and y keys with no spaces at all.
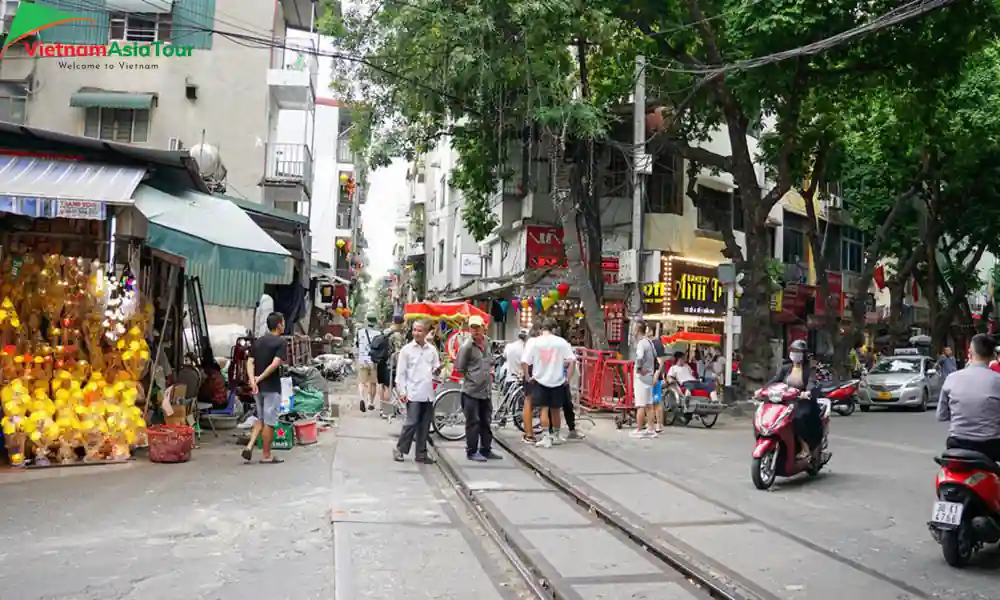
{"x":449,"y":419}
{"x":536,"y":417}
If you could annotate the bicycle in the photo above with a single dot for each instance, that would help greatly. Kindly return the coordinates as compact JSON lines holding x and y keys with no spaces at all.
{"x":448,"y":411}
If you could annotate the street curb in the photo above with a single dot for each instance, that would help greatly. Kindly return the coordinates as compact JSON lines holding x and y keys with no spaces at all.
{"x":701,"y":574}
{"x":508,"y":534}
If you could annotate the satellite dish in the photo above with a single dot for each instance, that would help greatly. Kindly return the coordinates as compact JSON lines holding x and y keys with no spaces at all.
{"x":209,"y":161}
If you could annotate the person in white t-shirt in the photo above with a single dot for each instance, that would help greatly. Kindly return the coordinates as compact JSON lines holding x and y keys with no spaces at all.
{"x":512,"y":353}
{"x":680,"y":372}
{"x":550,"y":359}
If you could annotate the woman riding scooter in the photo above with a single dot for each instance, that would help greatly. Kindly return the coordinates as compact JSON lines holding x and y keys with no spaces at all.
{"x":798,"y":374}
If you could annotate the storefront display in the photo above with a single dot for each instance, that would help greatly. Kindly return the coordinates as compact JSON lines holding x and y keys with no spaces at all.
{"x":688,"y":289}
{"x":73,"y":352}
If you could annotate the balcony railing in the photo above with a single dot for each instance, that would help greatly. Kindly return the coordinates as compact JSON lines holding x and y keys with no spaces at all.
{"x":344,"y":154}
{"x":288,"y":164}
{"x":343,"y":220}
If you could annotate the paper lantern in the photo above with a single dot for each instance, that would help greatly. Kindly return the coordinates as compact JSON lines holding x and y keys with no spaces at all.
{"x":538,"y":304}
{"x":515,"y":304}
{"x":340,"y":243}
{"x":547,"y":303}
{"x":554,"y":294}
{"x":563,"y":289}
{"x":344,"y":177}
{"x":504,"y":306}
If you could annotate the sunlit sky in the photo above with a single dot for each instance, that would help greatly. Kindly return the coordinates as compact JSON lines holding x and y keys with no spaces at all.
{"x":378,"y":215}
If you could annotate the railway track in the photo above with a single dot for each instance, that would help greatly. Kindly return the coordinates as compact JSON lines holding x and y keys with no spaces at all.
{"x":538,"y":577}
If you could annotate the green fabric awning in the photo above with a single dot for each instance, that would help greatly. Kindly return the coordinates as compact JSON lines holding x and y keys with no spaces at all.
{"x":209,"y":230}
{"x":88,"y":98}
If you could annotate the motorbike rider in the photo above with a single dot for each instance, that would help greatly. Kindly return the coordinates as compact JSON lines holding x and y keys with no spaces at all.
{"x":970,"y":400}
{"x":799,"y":374}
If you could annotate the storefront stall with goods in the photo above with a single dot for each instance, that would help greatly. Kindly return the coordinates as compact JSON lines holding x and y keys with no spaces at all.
{"x":74,"y":347}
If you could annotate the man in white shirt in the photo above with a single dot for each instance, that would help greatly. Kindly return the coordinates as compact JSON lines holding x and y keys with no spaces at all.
{"x":550,"y":359}
{"x":512,"y":356}
{"x":680,"y":372}
{"x":527,"y":412}
{"x":366,"y":367}
{"x":416,"y":366}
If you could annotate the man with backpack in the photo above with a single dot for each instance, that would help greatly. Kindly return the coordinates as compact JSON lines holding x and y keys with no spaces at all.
{"x":380,"y":352}
{"x":363,"y":340}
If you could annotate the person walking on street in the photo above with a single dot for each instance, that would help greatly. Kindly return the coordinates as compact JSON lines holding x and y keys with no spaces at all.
{"x":269,"y":351}
{"x":550,"y":359}
{"x":397,"y":339}
{"x":366,"y":367}
{"x":475,"y":363}
{"x":416,"y":367}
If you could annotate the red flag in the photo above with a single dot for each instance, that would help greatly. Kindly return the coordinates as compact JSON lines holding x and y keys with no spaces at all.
{"x":880,"y":277}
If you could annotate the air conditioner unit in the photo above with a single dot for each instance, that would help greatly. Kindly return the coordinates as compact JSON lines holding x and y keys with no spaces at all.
{"x":175,"y":144}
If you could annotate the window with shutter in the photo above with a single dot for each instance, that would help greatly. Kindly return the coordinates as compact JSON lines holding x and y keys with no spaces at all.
{"x":193,"y":22}
{"x":117,"y":125}
{"x":94,"y":31}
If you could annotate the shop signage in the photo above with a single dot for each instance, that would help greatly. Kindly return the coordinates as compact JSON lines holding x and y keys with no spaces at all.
{"x":544,"y":247}
{"x":686,"y":288}
{"x":47,"y":208}
{"x":470,"y":265}
{"x":544,"y":250}
{"x":614,"y":321}
{"x":80,"y":209}
{"x":835,"y":285}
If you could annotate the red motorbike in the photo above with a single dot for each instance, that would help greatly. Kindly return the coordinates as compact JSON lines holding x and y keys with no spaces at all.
{"x":967,"y":512}
{"x":775,"y":452}
{"x":841,"y":396}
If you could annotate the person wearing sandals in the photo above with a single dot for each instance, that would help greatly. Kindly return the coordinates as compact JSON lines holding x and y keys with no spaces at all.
{"x":269,"y":352}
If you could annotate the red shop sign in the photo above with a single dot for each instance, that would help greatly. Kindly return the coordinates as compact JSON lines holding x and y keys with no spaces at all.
{"x":609,"y":266}
{"x":614,"y":321}
{"x":544,"y":248}
{"x":835,"y":285}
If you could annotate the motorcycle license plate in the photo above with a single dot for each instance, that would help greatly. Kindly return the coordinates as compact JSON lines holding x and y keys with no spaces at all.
{"x":884,"y":396}
{"x":947,"y":513}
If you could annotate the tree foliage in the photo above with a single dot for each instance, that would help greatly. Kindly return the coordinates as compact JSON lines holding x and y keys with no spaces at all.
{"x":481,"y":72}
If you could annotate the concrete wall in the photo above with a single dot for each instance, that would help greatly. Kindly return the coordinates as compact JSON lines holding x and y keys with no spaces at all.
{"x":446,"y":233}
{"x":231,"y":111}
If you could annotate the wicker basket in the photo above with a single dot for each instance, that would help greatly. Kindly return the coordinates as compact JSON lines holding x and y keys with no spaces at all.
{"x":170,"y":443}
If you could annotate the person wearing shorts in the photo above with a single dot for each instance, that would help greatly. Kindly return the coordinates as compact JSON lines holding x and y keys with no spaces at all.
{"x":549,"y":359}
{"x":642,"y":383}
{"x":269,"y":352}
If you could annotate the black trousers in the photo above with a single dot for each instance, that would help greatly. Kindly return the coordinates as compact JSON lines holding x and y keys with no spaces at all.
{"x":419,"y":416}
{"x":568,"y":411}
{"x":808,"y":423}
{"x":990,"y":448}
{"x":478,"y":418}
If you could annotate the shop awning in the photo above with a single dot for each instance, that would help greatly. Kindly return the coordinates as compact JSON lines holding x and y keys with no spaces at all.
{"x":94,"y":98}
{"x":209,"y":230}
{"x":691,"y":337}
{"x":65,"y":185}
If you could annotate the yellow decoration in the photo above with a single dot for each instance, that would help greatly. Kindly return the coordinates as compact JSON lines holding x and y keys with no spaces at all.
{"x":340,"y":243}
{"x":547,"y":303}
{"x":61,"y":390}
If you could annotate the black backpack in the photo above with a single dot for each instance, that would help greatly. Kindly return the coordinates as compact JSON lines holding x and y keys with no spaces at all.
{"x":378,"y":348}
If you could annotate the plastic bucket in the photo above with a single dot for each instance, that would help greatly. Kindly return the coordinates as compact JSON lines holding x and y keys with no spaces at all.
{"x":306,"y":432}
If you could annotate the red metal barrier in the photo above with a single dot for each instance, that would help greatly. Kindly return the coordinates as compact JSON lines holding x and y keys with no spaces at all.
{"x":590,"y":364}
{"x":614,"y":388}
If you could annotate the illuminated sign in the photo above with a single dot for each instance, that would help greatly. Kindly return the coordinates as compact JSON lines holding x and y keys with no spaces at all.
{"x":686,"y":288}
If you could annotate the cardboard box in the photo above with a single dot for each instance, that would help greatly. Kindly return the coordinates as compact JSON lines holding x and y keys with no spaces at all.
{"x":180,"y":416}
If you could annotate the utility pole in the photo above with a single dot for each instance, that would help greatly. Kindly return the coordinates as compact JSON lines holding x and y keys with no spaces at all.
{"x":641,"y":166}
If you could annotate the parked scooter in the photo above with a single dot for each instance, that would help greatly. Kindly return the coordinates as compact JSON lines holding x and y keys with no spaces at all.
{"x":841,"y":396}
{"x":686,"y":404}
{"x":775,"y":452}
{"x":967,"y":512}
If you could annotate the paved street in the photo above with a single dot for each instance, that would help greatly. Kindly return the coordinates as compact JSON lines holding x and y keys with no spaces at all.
{"x":859,"y":529}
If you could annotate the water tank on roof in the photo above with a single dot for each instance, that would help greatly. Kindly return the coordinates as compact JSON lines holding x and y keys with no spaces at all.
{"x":209,"y":161}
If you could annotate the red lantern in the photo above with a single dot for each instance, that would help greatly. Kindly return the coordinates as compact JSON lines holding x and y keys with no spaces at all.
{"x":563,"y":289}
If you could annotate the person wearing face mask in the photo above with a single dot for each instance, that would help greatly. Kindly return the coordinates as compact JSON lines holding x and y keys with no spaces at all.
{"x":798,"y":374}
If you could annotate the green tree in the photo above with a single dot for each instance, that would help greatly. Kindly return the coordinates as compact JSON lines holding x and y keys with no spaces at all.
{"x":939,"y":148}
{"x":736,"y":56}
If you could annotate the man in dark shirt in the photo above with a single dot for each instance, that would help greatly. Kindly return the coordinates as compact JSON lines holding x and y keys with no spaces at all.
{"x":475,"y":364}
{"x":268,"y":353}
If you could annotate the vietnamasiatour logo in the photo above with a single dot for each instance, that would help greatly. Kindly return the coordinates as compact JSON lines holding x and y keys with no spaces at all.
{"x":33,"y":18}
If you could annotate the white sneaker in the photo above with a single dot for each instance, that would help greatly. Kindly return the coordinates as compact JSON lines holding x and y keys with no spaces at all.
{"x":545,"y":442}
{"x":652,"y":435}
{"x":637,"y":434}
{"x":558,"y":439}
